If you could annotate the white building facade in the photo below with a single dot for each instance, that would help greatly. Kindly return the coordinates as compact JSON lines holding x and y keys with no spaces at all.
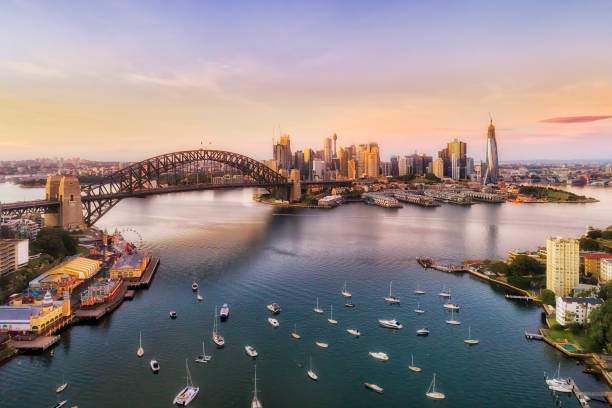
{"x":575,"y":310}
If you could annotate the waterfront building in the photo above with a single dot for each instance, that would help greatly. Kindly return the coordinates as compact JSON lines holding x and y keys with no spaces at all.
{"x":562,"y":264}
{"x":13,"y":254}
{"x":605,"y":269}
{"x":491,"y":171}
{"x":575,"y":310}
{"x":438,"y":167}
{"x":381,"y":200}
{"x":41,"y":316}
{"x":130,"y":266}
{"x":592,"y":264}
{"x":79,"y":269}
{"x":330,"y":201}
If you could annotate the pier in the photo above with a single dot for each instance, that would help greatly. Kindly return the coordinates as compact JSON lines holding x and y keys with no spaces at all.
{"x":533,"y":336}
{"x":519,"y":297}
{"x":35,"y":343}
{"x":94,"y":313}
{"x":429,"y":263}
{"x":146,"y":277}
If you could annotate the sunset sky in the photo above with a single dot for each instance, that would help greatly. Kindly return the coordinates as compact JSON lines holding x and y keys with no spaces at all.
{"x":127,"y":80}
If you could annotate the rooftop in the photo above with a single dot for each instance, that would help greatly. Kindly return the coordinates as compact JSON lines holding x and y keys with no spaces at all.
{"x":589,"y":300}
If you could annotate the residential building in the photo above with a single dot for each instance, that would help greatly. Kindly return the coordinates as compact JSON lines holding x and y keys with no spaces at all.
{"x":14,"y":253}
{"x":605,"y":269}
{"x":562,"y":264}
{"x":491,"y":171}
{"x":575,"y":310}
{"x":592,"y":264}
{"x":438,"y":167}
{"x":372,"y":164}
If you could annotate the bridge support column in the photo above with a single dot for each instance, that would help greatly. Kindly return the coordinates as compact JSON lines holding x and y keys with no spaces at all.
{"x":66,"y":190}
{"x":295,"y":190}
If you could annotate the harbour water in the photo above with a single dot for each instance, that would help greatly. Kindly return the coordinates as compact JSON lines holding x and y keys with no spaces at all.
{"x":248,"y":254}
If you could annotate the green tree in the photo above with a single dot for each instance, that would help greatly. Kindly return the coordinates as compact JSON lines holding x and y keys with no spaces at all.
{"x":523,"y":265}
{"x":548,"y":297}
{"x":589,"y":244}
{"x":594,"y":234}
{"x":55,"y":242}
{"x":601,"y":325}
{"x":499,"y":268}
{"x":432,"y":177}
{"x":605,"y":292}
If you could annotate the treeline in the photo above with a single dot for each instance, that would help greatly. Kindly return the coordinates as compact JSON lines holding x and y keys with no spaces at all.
{"x":593,"y":240}
{"x":524,"y":272}
{"x":553,"y":194}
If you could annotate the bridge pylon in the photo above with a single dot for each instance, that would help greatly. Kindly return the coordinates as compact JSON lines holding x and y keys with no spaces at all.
{"x":67,"y":191}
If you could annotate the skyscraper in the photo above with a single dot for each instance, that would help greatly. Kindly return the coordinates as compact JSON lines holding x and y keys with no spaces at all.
{"x":438,"y":167}
{"x":491,"y":174}
{"x":562,"y":264}
{"x":327,"y":151}
{"x":282,"y":153}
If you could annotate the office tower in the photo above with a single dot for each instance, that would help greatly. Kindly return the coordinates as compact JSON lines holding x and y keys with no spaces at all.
{"x":308,"y":159}
{"x":343,"y":159}
{"x":438,"y":167}
{"x":360,"y":158}
{"x":372,"y":164}
{"x":454,"y":167}
{"x":394,"y":166}
{"x":327,"y":151}
{"x":386,"y":169}
{"x":282,"y":153}
{"x":491,"y":173}
{"x":352,"y":169}
{"x":562,"y":264}
{"x":298,"y":161}
{"x":318,"y":168}
{"x":469,"y":166}
{"x":335,"y":137}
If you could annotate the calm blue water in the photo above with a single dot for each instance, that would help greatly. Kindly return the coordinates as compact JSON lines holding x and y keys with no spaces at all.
{"x":248,"y":255}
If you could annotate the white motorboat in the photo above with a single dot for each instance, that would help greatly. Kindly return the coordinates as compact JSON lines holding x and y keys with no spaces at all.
{"x":60,"y":404}
{"x":470,"y":340}
{"x":451,"y":306}
{"x":187,"y":394}
{"x":331,"y":316}
{"x":311,"y":372}
{"x":418,"y":291}
{"x":172,"y":314}
{"x":250,"y":350}
{"x":154,"y":364}
{"x":412,"y":366}
{"x":354,"y":332}
{"x":274,"y":308}
{"x":295,"y":334}
{"x":203,"y":358}
{"x":374,"y":387}
{"x":321,"y":344}
{"x":452,"y":320}
{"x":379,"y":355}
{"x":194,"y":286}
{"x":418,"y":310}
{"x":199,"y":297}
{"x":423,"y":332}
{"x":140,"y":351}
{"x":317,"y":309}
{"x":273,"y":322}
{"x":255,"y":403}
{"x":345,"y":291}
{"x":431,"y":391}
{"x":393,"y":300}
{"x":390,"y":324}
{"x":216,"y":337}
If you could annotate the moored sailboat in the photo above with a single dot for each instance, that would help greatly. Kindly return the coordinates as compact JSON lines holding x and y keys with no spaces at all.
{"x":393,"y":300}
{"x":317,"y":309}
{"x":345,"y":291}
{"x":187,"y":394}
{"x":255,"y":403}
{"x":470,"y":340}
{"x":431,"y":391}
{"x":331,"y":316}
{"x":216,"y":337}
{"x":412,"y":366}
{"x":203,"y":358}
{"x":140,"y":351}
{"x":313,"y":376}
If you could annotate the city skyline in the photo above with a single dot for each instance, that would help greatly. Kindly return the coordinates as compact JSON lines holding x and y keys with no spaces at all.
{"x":123,"y":81}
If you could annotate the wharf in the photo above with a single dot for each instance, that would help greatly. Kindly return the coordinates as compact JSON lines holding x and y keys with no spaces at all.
{"x":147,"y":275}
{"x":38,"y":343}
{"x":129,"y":295}
{"x":533,"y":336}
{"x":94,"y":313}
{"x":428,"y":263}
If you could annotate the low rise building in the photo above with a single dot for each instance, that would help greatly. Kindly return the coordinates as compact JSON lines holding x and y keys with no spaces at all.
{"x":592,"y":264}
{"x":605,"y":270}
{"x":77,"y":269}
{"x":41,"y":316}
{"x":130,"y":266}
{"x":330,"y":201}
{"x":575,"y":310}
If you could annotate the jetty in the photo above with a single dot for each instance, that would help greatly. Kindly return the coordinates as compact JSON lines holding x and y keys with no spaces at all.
{"x":533,"y":336}
{"x":519,"y":297}
{"x":146,"y":277}
{"x":96,"y":312}
{"x":428,"y":263}
{"x":34,"y":343}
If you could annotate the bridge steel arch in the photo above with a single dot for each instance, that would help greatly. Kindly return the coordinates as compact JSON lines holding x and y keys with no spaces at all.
{"x":99,"y":198}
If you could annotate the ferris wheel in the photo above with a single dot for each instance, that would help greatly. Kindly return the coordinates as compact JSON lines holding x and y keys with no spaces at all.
{"x":125,"y":236}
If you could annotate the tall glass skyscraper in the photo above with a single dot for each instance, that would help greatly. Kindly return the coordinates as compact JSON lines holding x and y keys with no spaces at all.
{"x":491,"y":175}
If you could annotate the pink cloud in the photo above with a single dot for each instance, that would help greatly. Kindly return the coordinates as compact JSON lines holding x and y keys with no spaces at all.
{"x":576,"y":119}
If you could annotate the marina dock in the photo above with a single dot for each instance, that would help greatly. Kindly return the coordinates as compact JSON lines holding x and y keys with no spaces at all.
{"x":94,"y":313}
{"x":37,"y":343}
{"x":429,"y":263}
{"x":147,"y":276}
{"x":129,"y":294}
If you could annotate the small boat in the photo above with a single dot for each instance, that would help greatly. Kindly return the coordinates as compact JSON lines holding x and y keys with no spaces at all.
{"x":63,"y":386}
{"x":418,"y":309}
{"x":203,"y":358}
{"x":199,"y":297}
{"x":274,"y":308}
{"x":216,"y":337}
{"x":331,"y":316}
{"x":250,"y":350}
{"x":317,"y":309}
{"x":348,"y":303}
{"x":470,"y":340}
{"x":423,"y":332}
{"x":412,"y":366}
{"x":295,"y":335}
{"x":379,"y":355}
{"x":154,"y":364}
{"x":418,"y":291}
{"x":390,"y":324}
{"x":558,"y":382}
{"x":345,"y":291}
{"x":354,"y":332}
{"x":273,"y":322}
{"x":60,"y":404}
{"x":374,"y":387}
{"x":172,"y":314}
{"x":224,"y":312}
{"x":392,"y":299}
{"x":431,"y":391}
{"x":255,"y":401}
{"x":451,"y":306}
{"x":140,"y":351}
{"x":321,"y":344}
{"x":445,"y":293}
{"x":194,"y":286}
{"x":561,"y":387}
{"x":52,"y":352}
{"x":311,"y":372}
{"x":452,"y":320}
{"x":187,"y":394}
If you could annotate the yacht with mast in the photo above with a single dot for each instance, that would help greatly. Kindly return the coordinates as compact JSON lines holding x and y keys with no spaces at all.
{"x":452,"y":320}
{"x":470,"y":340}
{"x":393,"y":300}
{"x":187,"y":394}
{"x":345,"y":291}
{"x":431,"y":391}
{"x":313,"y":376}
{"x":418,"y":309}
{"x":412,"y":366}
{"x":331,"y":316}
{"x":445,"y":293}
{"x":203,"y":358}
{"x":63,"y":386}
{"x":295,"y":334}
{"x":255,"y":403}
{"x":419,"y":291}
{"x":317,"y":309}
{"x":140,"y":351}
{"x":216,"y":337}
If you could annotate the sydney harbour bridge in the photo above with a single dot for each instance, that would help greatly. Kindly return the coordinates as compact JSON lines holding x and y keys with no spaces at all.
{"x":73,"y":206}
